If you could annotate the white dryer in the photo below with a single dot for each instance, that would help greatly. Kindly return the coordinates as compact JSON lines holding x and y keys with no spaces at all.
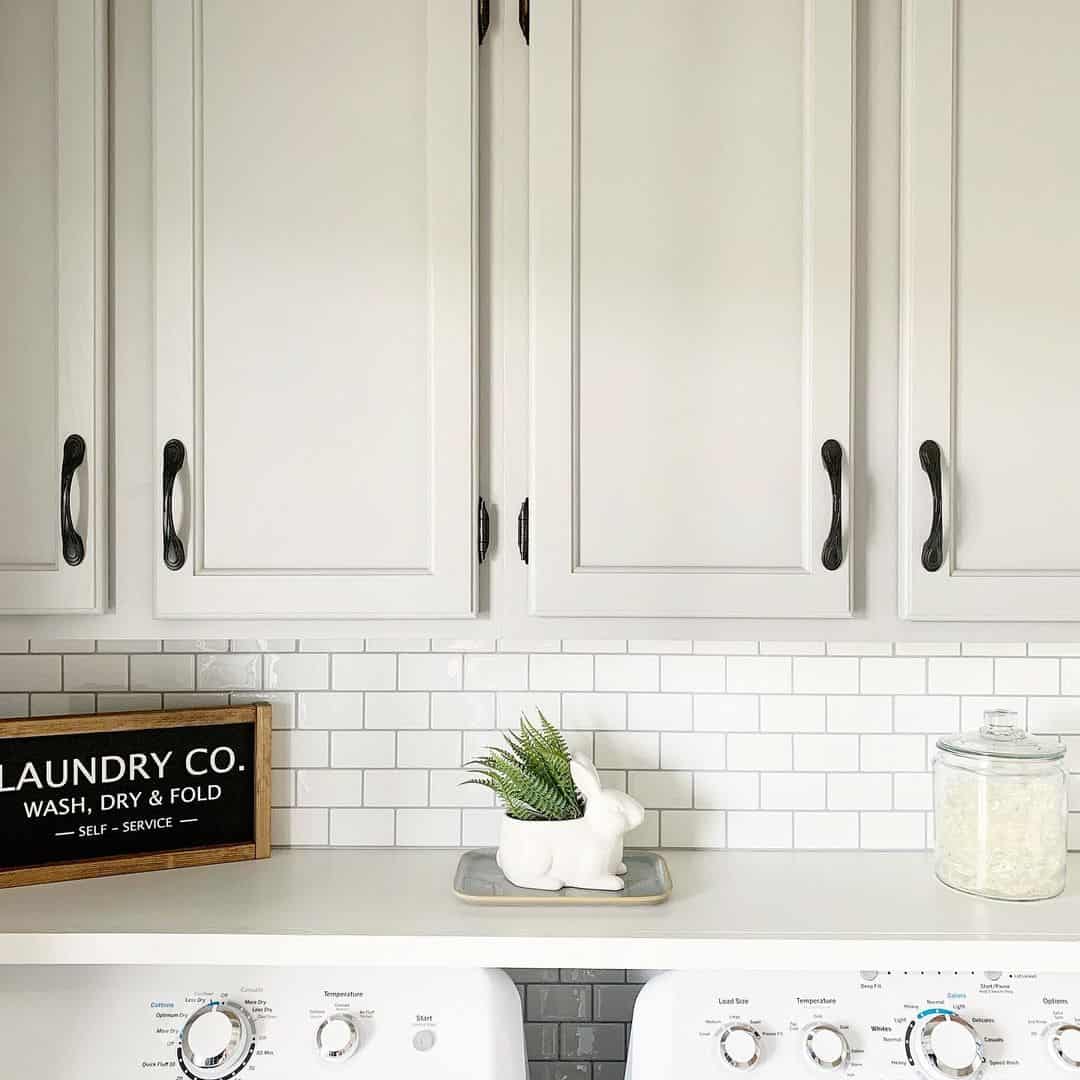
{"x":272,"y":1023}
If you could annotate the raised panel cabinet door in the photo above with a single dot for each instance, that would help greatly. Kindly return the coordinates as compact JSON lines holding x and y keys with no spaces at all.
{"x":990,"y":343}
{"x":691,"y":208}
{"x":315,"y":179}
{"x":53,"y":451}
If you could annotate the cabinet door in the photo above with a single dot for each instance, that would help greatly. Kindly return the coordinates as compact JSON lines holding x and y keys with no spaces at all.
{"x":991,"y":311}
{"x":315,"y":222}
{"x":691,"y":278}
{"x":52,"y":305}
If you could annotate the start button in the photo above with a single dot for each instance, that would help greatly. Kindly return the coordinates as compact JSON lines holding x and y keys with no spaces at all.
{"x":424,"y":1039}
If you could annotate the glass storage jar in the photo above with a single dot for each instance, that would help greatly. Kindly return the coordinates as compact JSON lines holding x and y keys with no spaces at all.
{"x":1000,"y":805}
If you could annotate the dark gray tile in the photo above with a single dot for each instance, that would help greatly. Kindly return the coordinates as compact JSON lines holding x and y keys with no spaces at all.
{"x":558,"y":1070}
{"x":592,"y":975}
{"x":533,"y":975}
{"x":615,"y":1002}
{"x":609,"y":1070}
{"x":542,"y":1041}
{"x":558,"y":1003}
{"x":593,"y":1042}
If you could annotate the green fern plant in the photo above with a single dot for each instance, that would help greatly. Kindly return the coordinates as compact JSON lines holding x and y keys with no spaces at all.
{"x":531,"y":774}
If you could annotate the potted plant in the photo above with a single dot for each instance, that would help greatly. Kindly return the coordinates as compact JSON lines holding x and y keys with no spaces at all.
{"x":560,"y":826}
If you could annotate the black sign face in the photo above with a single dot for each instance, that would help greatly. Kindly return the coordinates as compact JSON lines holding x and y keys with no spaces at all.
{"x":90,"y":796}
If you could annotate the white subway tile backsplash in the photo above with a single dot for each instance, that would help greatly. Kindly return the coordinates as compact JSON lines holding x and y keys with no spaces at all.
{"x":719,"y":712}
{"x":463,"y":710}
{"x":329,"y":711}
{"x":428,"y":749}
{"x":892,"y":753}
{"x":966,"y":675}
{"x":792,"y":712}
{"x":395,"y":787}
{"x":893,"y":675}
{"x":594,"y":712}
{"x":759,"y":829}
{"x":693,"y":829}
{"x":659,"y":712}
{"x":1027,"y":676}
{"x":430,"y":671}
{"x":931,"y":713}
{"x":661,"y":790}
{"x":702,"y":674}
{"x":300,"y":749}
{"x":864,"y":712}
{"x":859,"y":791}
{"x":692,"y":750}
{"x":95,"y":672}
{"x":829,"y":753}
{"x":739,"y":744}
{"x":759,"y":675}
{"x":352,"y":827}
{"x":299,"y":828}
{"x":216,"y":672}
{"x":364,"y":671}
{"x":296,"y":671}
{"x":626,"y":750}
{"x":759,"y":752}
{"x":29,"y":673}
{"x":823,"y":830}
{"x":726,"y":791}
{"x":428,"y":828}
{"x":363,"y":749}
{"x":637,"y":673}
{"x":401,"y":710}
{"x":892,"y":831}
{"x":826,"y":675}
{"x":162,"y":671}
{"x":509,"y":672}
{"x":793,"y":791}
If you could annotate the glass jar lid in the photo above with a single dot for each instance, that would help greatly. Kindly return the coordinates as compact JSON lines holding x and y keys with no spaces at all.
{"x":1002,"y":737}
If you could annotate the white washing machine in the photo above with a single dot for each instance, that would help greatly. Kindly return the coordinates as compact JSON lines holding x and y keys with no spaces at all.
{"x":866,"y":1025}
{"x":216,"y":1023}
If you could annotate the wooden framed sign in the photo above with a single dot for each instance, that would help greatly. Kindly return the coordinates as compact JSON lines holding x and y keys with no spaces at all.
{"x":87,"y":796}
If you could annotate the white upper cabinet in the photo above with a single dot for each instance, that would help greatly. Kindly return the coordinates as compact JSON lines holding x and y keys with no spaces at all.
{"x":315,"y":186}
{"x":990,"y":332}
{"x":53,"y":451}
{"x":691,"y":204}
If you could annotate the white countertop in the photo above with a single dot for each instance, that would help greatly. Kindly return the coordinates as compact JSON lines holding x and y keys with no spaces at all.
{"x":778,"y":910}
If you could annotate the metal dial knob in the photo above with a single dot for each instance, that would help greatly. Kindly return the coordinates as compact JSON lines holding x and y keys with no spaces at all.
{"x":337,"y":1038}
{"x":739,"y":1046}
{"x":1063,"y":1042}
{"x":216,"y":1041}
{"x":945,"y":1047}
{"x":825,"y":1047}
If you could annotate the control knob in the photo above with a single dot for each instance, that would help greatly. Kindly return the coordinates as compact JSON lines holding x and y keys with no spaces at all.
{"x":825,"y":1047}
{"x":945,"y":1046}
{"x":1063,"y":1042}
{"x":739,"y":1046}
{"x":337,"y":1038}
{"x":216,"y":1041}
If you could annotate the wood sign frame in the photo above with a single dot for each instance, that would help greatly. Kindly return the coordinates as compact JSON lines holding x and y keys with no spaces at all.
{"x":183,"y":775}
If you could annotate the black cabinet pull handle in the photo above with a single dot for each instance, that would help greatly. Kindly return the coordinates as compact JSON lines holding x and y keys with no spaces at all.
{"x":832,"y":552}
{"x":71,"y":542}
{"x":483,"y":18}
{"x":930,"y":460}
{"x":172,"y":546}
{"x":523,"y":532}
{"x":523,"y":18}
{"x":483,"y":530}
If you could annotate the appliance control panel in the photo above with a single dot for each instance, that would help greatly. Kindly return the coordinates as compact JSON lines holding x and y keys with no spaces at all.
{"x":217,"y":1023}
{"x":867,"y":1025}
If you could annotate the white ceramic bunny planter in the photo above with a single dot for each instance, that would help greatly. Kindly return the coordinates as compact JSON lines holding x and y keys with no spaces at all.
{"x":584,"y":853}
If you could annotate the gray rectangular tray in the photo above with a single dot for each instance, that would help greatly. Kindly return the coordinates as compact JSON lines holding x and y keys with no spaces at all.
{"x":480,"y":881}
